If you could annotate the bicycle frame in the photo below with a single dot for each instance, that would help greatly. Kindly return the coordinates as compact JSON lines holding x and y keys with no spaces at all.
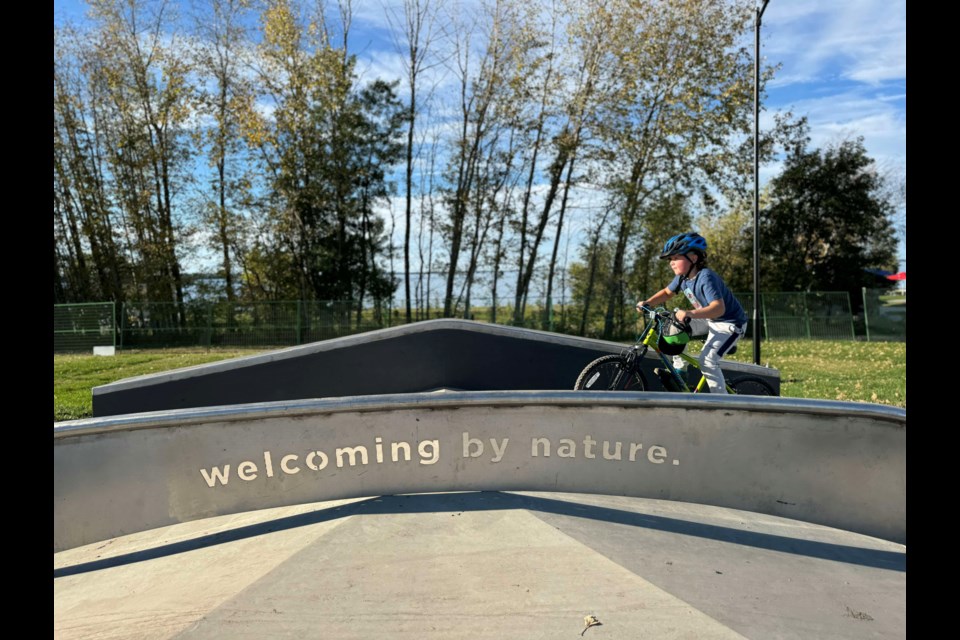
{"x":650,"y":339}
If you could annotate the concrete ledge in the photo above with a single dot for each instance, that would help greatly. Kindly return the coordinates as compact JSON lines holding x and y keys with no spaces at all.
{"x":838,"y":464}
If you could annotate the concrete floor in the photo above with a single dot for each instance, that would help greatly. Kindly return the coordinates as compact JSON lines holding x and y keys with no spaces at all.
{"x":484,"y":565}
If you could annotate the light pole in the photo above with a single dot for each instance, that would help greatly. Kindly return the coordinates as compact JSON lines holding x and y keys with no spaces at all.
{"x":756,"y":186}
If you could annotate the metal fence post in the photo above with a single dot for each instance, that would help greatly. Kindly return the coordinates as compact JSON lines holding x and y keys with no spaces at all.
{"x":123,"y":322}
{"x":806,"y":313}
{"x":866,"y":318}
{"x":298,"y":321}
{"x":763,"y":309}
{"x":853,"y":329}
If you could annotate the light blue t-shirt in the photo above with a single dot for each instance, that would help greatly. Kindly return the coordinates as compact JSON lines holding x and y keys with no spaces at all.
{"x":706,"y":287}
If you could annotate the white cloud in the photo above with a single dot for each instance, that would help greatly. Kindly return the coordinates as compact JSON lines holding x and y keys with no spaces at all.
{"x":843,"y":65}
{"x":861,"y":40}
{"x":880,"y":121}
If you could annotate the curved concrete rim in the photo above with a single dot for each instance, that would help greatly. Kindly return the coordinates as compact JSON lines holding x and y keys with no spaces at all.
{"x":447,"y":399}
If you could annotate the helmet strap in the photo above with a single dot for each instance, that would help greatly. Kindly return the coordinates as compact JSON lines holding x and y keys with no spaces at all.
{"x":693,"y":265}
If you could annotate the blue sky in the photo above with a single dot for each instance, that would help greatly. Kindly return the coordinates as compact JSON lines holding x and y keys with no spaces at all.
{"x":843,"y":65}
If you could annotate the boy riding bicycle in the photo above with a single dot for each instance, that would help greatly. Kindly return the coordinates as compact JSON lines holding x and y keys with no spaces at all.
{"x":716,"y":312}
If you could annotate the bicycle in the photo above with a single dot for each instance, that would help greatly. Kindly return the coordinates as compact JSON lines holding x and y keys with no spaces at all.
{"x":622,"y":372}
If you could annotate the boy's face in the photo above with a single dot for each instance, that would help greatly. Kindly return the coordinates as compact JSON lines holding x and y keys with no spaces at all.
{"x":681,"y":263}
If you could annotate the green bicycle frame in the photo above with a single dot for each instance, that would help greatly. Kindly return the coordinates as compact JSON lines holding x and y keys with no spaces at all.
{"x":650,"y":336}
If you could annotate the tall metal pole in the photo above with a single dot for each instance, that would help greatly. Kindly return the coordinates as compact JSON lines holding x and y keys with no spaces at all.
{"x":756,"y":187}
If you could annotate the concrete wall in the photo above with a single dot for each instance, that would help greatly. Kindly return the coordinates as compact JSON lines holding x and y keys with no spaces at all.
{"x":832,"y":463}
{"x":456,"y":354}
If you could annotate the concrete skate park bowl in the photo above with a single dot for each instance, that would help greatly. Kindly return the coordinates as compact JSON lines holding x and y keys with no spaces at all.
{"x":390,"y":431}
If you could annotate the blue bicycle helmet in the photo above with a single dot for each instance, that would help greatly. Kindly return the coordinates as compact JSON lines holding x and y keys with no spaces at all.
{"x":683,"y":244}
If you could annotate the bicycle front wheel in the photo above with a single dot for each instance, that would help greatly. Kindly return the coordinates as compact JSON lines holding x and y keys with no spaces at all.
{"x":610,"y":373}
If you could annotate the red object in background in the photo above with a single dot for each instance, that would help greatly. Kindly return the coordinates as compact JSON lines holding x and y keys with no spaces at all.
{"x":897,"y":276}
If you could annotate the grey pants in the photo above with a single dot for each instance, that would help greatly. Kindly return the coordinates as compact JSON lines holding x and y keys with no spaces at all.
{"x":721,"y":336}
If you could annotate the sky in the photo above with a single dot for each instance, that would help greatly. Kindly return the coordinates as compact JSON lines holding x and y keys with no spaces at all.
{"x":842,"y":65}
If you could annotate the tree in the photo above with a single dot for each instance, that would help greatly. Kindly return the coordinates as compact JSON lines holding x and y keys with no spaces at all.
{"x":667,"y":215}
{"x":88,"y":264}
{"x":730,"y":242}
{"x":830,"y":217}
{"x":225,"y":100}
{"x":483,"y":103}
{"x":418,"y":21}
{"x":122,"y":109}
{"x":679,"y":88}
{"x":326,"y":150}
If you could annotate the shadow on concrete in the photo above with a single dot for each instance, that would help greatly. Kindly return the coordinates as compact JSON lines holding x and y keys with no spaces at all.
{"x":494,"y":501}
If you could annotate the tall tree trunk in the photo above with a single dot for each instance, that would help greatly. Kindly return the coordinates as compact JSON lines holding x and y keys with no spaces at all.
{"x":547,"y":324}
{"x":627,"y":218}
{"x":591,"y":280}
{"x":556,"y":172}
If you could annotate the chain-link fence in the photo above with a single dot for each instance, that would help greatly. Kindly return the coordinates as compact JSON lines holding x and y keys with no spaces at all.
{"x":885,"y":314}
{"x":822,"y":315}
{"x":81,"y":327}
{"x":818,"y":315}
{"x":786,"y":316}
{"x":225,"y":324}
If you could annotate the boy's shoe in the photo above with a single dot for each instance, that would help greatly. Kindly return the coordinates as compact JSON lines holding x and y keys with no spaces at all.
{"x":667,"y":380}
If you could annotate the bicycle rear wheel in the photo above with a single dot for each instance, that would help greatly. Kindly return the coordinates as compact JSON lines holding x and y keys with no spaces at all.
{"x":609,"y":373}
{"x":751,"y":386}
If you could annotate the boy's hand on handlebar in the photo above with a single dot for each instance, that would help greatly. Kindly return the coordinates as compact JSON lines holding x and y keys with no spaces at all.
{"x":682,"y":316}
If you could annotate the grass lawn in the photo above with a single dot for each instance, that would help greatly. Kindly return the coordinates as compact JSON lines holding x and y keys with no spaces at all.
{"x":836,"y":369}
{"x":75,"y":375}
{"x":823,"y":369}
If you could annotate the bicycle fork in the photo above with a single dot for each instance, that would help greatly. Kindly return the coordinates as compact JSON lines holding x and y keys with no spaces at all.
{"x":629,"y":363}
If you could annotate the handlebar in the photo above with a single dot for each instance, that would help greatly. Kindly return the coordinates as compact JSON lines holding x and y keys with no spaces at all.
{"x":660,"y":311}
{"x":665,"y":315}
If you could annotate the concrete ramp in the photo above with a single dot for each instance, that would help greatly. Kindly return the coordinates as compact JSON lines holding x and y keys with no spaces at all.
{"x":413,"y":358}
{"x":837,"y":464}
{"x":485,"y":565}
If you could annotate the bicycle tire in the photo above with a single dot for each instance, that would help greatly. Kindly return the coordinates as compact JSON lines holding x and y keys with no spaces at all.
{"x":600,"y":375}
{"x":751,"y":386}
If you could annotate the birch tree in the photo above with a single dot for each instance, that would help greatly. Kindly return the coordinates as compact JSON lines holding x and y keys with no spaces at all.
{"x":417,"y":28}
{"x":680,"y":87}
{"x":225,"y":97}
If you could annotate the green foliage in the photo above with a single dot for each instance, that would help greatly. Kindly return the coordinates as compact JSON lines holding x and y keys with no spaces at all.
{"x":589,"y":287}
{"x":326,"y":151}
{"x":829,"y":217}
{"x":730,"y":242}
{"x":666,"y":216}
